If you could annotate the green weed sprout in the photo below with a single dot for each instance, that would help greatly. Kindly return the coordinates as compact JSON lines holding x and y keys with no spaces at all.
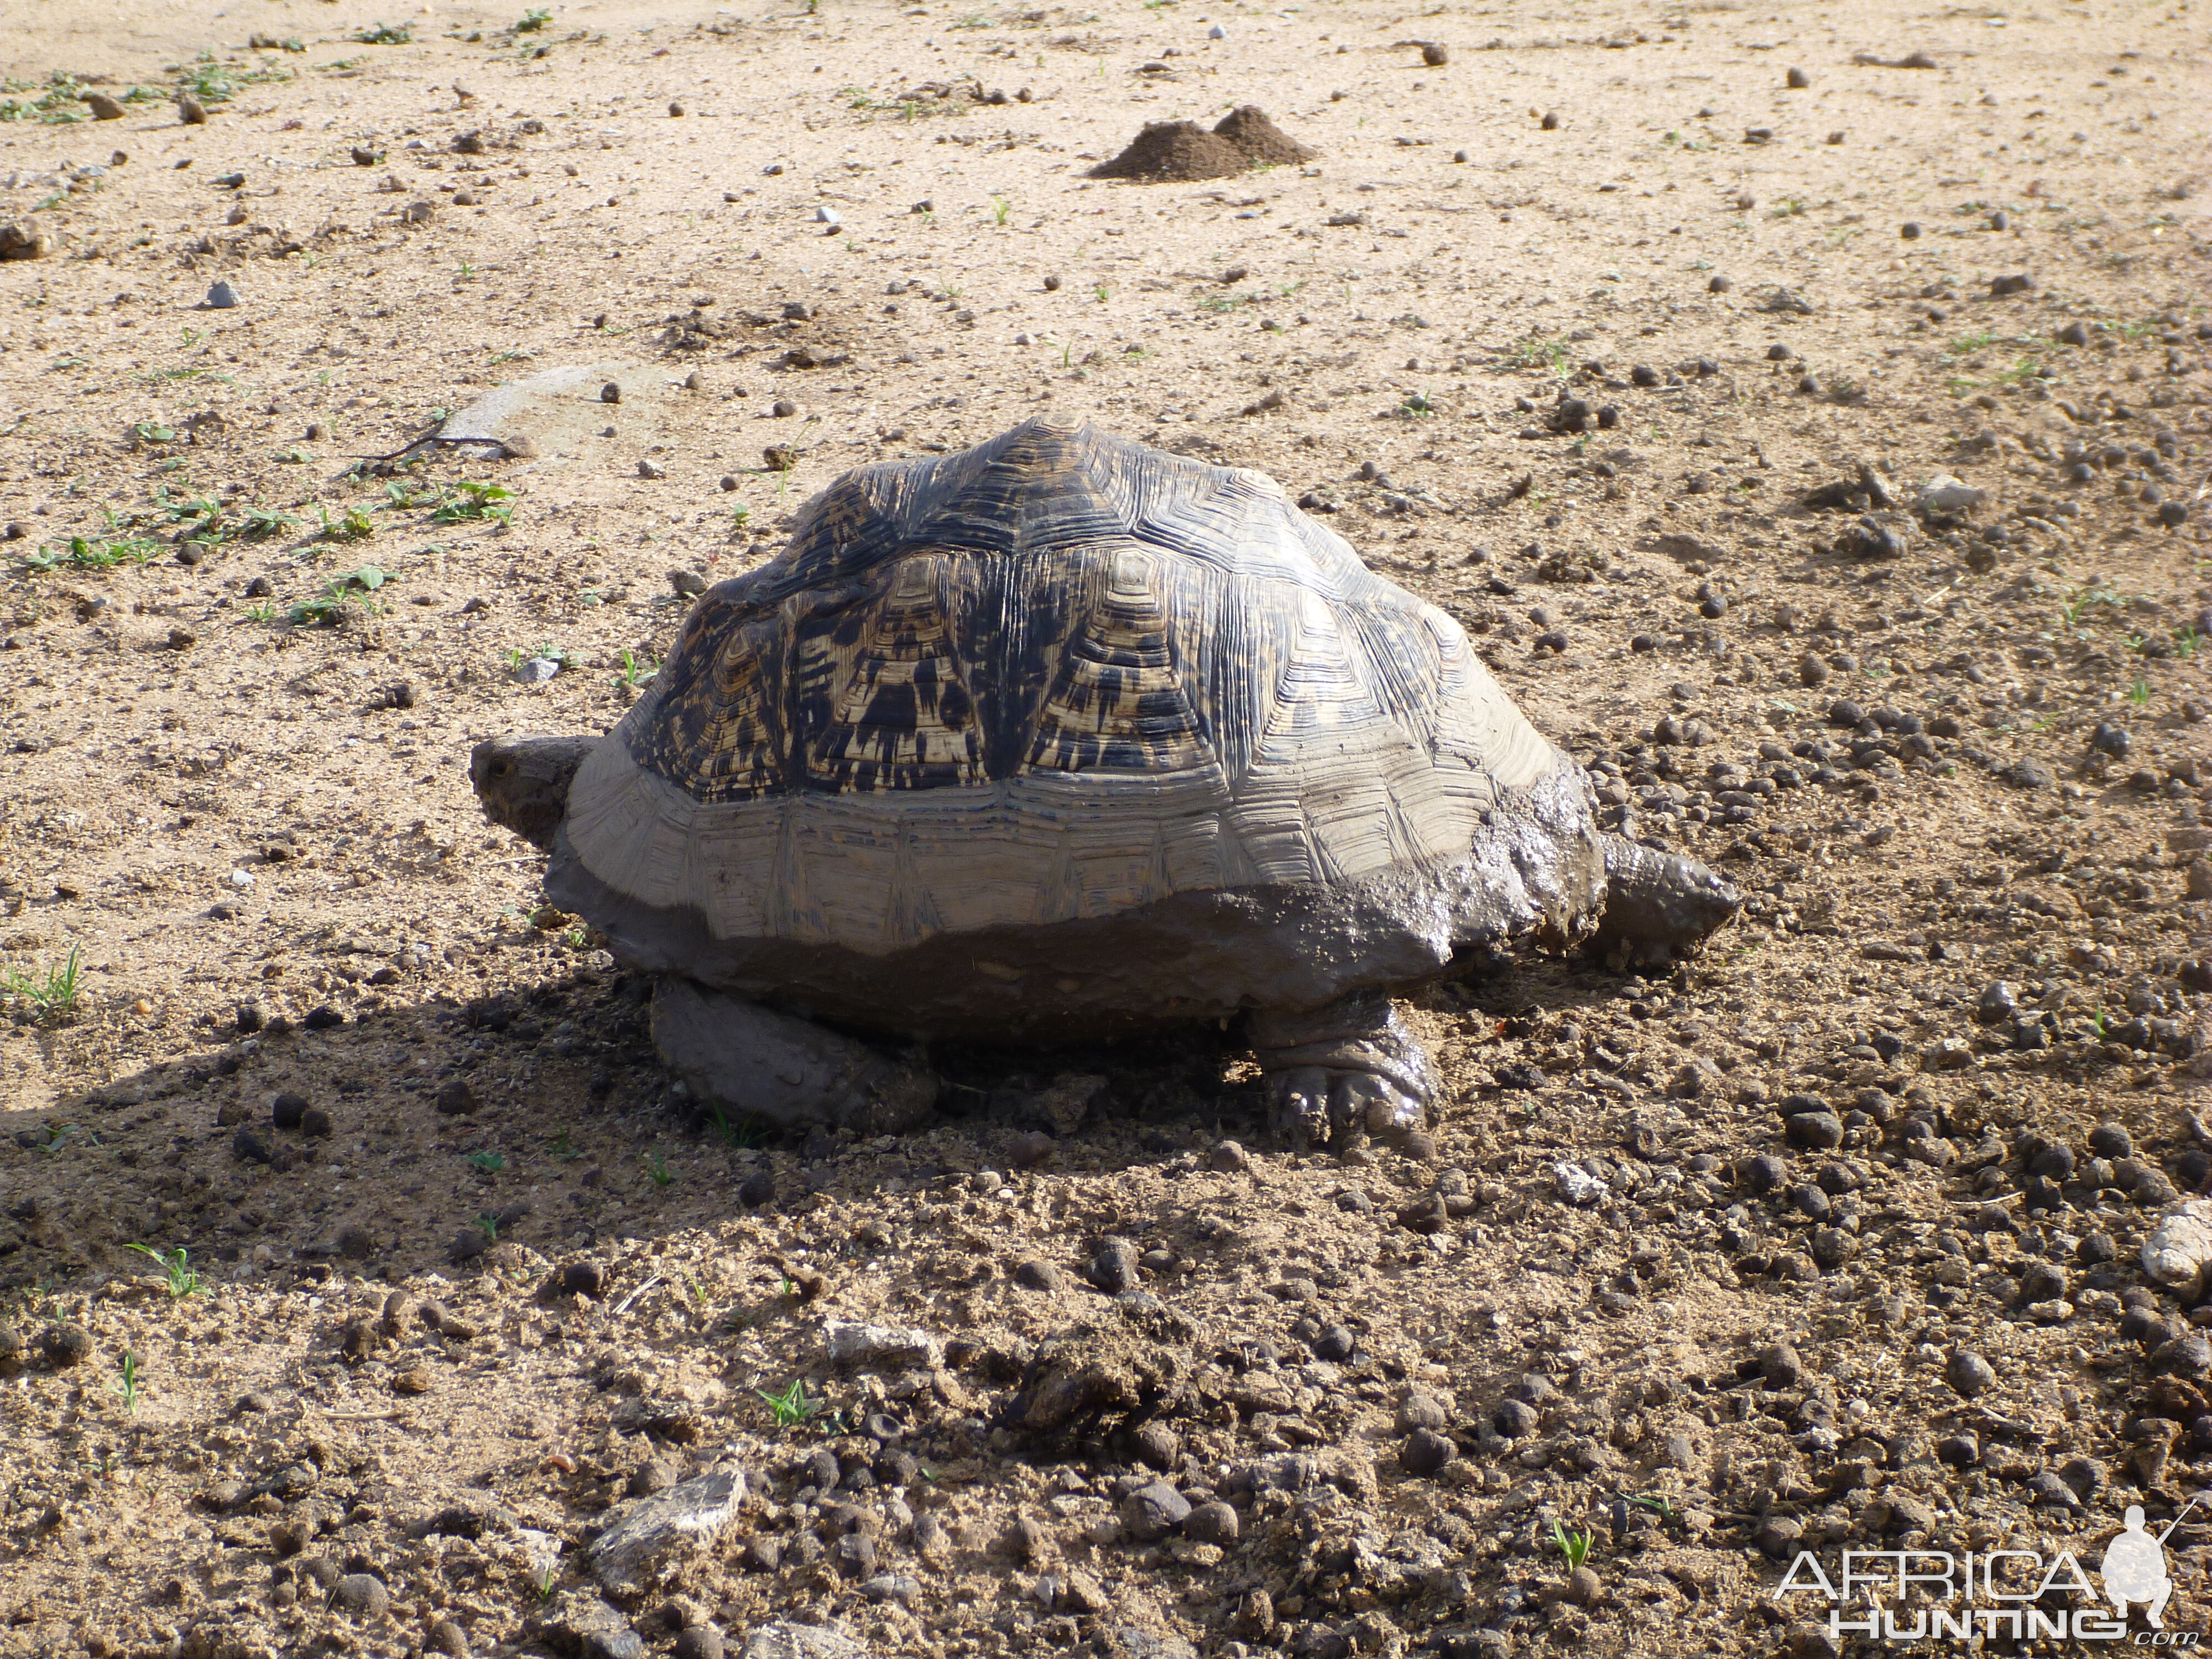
{"x":792,"y":1408}
{"x":657,"y":1167}
{"x":125,"y":1386}
{"x":176,"y":1268}
{"x":53,"y":995}
{"x":1575,"y":1546}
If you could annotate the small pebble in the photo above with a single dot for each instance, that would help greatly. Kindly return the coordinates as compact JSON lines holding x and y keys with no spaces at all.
{"x":1425,"y":1451}
{"x":611,"y":393}
{"x":363,"y":1594}
{"x":1969,"y":1374}
{"x":221,"y":296}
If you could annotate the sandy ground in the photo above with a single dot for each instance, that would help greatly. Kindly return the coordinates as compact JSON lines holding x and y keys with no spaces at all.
{"x":243,"y":669}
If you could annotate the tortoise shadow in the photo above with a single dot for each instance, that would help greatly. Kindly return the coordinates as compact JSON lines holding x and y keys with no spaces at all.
{"x":403,"y":1136}
{"x":411,"y":1136}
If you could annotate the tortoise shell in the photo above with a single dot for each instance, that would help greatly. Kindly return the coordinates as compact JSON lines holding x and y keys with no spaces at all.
{"x":1058,"y":678}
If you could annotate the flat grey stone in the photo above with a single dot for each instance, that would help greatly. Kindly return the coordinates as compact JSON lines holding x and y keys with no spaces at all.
{"x":882,"y":1345}
{"x":784,"y":1640}
{"x":587,"y":1627}
{"x":652,"y":1530}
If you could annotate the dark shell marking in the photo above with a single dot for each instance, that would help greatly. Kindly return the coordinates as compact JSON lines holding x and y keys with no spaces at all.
{"x":1055,"y":600}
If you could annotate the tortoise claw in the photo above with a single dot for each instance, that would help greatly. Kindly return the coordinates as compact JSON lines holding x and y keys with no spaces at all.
{"x":1340,"y":1073}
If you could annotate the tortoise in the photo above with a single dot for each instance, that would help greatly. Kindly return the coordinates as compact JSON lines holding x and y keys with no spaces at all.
{"x":1055,"y":739}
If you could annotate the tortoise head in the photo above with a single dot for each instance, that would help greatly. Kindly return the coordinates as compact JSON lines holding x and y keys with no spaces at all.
{"x":523,"y":782}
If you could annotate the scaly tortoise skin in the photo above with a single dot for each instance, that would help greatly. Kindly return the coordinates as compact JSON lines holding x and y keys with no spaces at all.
{"x":1058,"y":737}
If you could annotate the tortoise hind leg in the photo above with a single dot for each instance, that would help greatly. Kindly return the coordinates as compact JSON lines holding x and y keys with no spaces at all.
{"x":1342,"y":1072}
{"x":752,"y":1062}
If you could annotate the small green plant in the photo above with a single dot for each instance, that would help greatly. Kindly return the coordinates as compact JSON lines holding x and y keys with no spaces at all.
{"x":1966,"y":345}
{"x":472,"y":500}
{"x":2078,"y":604}
{"x":261,"y":610}
{"x":520,"y":355}
{"x":1000,"y":207}
{"x":487,"y":1224}
{"x":485,"y":1162}
{"x":791,"y":1408}
{"x":328,"y":608}
{"x":125,"y":1386}
{"x":384,"y":34}
{"x":1100,"y":292}
{"x":740,"y":516}
{"x":517,"y":656}
{"x":2139,"y":693}
{"x":657,"y":1167}
{"x":1533,"y":351}
{"x":212,"y":83}
{"x":1575,"y":1546}
{"x":88,"y":553}
{"x":1417,"y":404}
{"x":56,"y":1139}
{"x":176,"y":1269}
{"x":533,"y":19}
{"x":562,"y":1147}
{"x":737,"y":1132}
{"x":352,"y":525}
{"x":52,"y":995}
{"x":2186,"y":639}
{"x":464,"y":270}
{"x":258,"y":523}
{"x":544,"y":1581}
{"x":635,"y":670}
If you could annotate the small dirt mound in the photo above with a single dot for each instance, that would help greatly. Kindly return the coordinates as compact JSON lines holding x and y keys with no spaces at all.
{"x":1259,"y":140}
{"x":1174,"y":152}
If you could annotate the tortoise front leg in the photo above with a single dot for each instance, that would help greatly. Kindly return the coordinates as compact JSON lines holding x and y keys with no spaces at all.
{"x":755,"y":1063}
{"x":1342,"y":1072}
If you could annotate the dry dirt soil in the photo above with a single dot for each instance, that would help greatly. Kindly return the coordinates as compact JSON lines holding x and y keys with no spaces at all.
{"x":1705,"y":400}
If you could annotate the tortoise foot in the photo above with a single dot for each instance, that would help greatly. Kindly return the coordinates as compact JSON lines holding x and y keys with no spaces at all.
{"x":1341,"y":1072}
{"x":1659,"y":907}
{"x":749,"y":1061}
